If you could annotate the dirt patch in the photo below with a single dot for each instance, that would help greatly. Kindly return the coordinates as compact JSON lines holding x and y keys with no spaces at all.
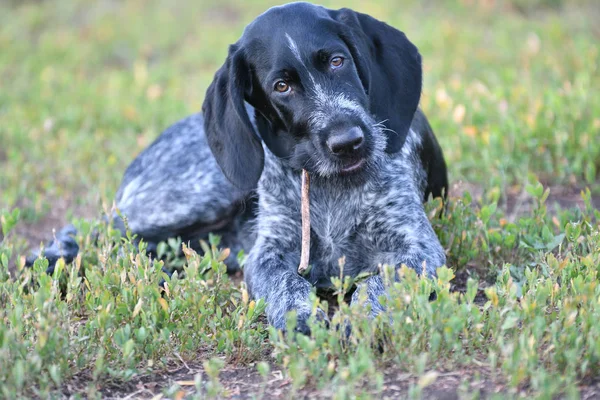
{"x":243,"y":382}
{"x":517,"y":202}
{"x":237,"y":381}
{"x":41,"y":230}
{"x":31,"y":234}
{"x":459,"y":284}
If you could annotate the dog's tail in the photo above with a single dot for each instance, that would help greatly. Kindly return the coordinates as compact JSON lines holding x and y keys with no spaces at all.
{"x":64,"y":245}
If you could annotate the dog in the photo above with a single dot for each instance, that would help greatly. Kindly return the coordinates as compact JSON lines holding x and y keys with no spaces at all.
{"x":333,"y":92}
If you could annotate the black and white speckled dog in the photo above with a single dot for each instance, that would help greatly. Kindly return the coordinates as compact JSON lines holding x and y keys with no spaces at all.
{"x":335,"y":93}
{"x":305,"y":87}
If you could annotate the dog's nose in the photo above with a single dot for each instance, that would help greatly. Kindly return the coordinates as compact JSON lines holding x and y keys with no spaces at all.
{"x":346,"y":142}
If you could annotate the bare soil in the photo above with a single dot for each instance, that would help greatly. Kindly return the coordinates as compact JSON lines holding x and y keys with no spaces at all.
{"x":243,"y":382}
{"x":517,"y":202}
{"x":42,"y":229}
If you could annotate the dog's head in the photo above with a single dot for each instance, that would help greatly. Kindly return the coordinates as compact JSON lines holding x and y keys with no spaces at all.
{"x":331,"y":89}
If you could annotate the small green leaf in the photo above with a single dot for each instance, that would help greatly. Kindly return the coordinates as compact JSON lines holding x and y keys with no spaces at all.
{"x":510,"y":322}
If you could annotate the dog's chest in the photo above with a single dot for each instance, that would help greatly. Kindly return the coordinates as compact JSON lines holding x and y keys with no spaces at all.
{"x":334,"y":218}
{"x":336,"y":231}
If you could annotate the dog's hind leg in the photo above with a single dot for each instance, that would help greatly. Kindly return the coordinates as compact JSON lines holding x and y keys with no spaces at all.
{"x":174,"y":188}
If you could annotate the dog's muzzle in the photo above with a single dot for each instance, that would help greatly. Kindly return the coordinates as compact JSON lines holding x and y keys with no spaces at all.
{"x":346,"y":142}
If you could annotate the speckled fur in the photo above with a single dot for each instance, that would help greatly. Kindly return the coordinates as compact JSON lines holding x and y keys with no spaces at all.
{"x":380,"y":222}
{"x":174,"y":188}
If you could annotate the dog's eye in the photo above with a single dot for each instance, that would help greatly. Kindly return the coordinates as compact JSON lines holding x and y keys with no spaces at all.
{"x":336,"y":62}
{"x":281,"y":87}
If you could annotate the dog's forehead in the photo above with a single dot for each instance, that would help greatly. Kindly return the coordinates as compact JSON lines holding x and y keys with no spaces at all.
{"x":287,"y":35}
{"x":294,"y":25}
{"x":290,"y":14}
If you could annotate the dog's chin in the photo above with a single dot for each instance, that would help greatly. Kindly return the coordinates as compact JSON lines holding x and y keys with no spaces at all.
{"x":355,"y":173}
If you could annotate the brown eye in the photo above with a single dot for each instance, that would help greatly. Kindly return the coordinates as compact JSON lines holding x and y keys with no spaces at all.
{"x":336,"y":62}
{"x":281,"y":86}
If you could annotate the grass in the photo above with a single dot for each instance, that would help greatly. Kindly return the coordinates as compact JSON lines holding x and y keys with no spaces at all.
{"x":510,"y":89}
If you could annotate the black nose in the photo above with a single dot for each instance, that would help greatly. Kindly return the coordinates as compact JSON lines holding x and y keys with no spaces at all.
{"x":346,"y":142}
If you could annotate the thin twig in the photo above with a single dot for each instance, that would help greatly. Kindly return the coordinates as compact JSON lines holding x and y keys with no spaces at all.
{"x":305,"y":211}
{"x":184,"y":363}
{"x":134,"y":394}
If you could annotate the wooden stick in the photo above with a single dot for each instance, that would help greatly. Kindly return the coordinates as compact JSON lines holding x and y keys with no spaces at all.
{"x":305,"y":211}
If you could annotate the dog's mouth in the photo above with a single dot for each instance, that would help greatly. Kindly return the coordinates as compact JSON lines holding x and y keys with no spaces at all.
{"x":353,"y":167}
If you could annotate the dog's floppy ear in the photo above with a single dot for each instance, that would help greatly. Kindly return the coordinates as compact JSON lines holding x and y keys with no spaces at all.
{"x":231,"y":137}
{"x":389,"y":66}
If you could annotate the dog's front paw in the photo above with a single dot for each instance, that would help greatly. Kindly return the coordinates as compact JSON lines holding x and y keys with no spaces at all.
{"x":278,"y":315}
{"x":302,"y":325}
{"x":367,"y":294}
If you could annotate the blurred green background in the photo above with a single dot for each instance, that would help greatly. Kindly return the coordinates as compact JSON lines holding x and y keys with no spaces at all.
{"x":511,"y":88}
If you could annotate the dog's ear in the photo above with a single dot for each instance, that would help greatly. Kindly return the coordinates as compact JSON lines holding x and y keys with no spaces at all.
{"x":230,"y":134}
{"x":389,"y":66}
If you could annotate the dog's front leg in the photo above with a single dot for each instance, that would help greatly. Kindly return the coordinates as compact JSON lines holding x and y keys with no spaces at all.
{"x":368,"y":292}
{"x":413,"y":244}
{"x":271,"y":274}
